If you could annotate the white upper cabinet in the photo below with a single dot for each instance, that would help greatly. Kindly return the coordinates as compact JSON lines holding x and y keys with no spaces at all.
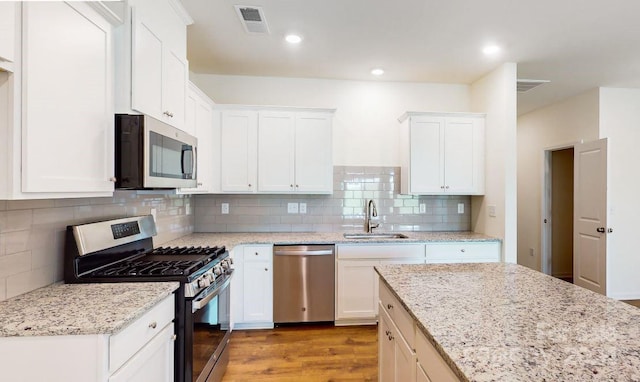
{"x":294,"y":150}
{"x":58,"y":134}
{"x":199,"y":123}
{"x":238,"y":150}
{"x":443,"y":154}
{"x":8,"y":14}
{"x":152,"y":71}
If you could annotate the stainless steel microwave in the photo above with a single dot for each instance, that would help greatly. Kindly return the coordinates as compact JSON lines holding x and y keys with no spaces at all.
{"x":152,"y":154}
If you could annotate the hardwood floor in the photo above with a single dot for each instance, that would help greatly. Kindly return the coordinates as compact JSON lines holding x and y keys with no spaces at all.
{"x":304,"y":353}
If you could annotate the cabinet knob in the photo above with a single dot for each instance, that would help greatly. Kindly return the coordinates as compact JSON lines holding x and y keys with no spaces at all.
{"x":389,"y":306}
{"x":256,"y":253}
{"x":168,"y":114}
{"x":291,"y":185}
{"x":249,"y":184}
{"x":266,"y":269}
{"x":387,"y":332}
{"x":153,"y":325}
{"x":297,"y":186}
{"x":174,"y":337}
{"x":442,"y":187}
{"x":112,"y":179}
{"x":447,"y":187}
{"x":390,"y":338}
{"x":462,"y":250}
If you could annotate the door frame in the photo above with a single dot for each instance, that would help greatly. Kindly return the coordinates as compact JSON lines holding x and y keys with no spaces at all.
{"x":546,"y":228}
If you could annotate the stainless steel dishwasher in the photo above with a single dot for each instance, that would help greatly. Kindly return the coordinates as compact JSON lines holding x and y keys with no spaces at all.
{"x":303,"y":283}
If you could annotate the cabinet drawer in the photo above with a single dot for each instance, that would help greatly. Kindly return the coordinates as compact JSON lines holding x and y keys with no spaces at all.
{"x":463,"y":252}
{"x":380,"y":251}
{"x":398,"y":314}
{"x":258,"y":253}
{"x":125,"y":344}
{"x":431,"y":362}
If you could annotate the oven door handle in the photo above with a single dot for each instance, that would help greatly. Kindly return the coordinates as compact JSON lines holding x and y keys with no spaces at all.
{"x":201,"y":302}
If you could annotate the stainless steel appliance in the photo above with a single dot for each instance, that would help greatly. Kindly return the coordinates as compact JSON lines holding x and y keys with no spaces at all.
{"x":152,"y":154}
{"x":122,"y":251}
{"x":303,"y":283}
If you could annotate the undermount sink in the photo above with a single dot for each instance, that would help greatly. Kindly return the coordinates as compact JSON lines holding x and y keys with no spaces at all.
{"x":375,"y":236}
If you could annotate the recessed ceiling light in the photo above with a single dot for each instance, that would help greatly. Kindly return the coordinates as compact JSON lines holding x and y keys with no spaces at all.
{"x":293,"y":38}
{"x":377,"y":72}
{"x":491,"y":49}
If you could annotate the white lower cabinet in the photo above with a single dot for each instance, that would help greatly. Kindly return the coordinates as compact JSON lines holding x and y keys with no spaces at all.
{"x":143,"y":351}
{"x":421,"y":375}
{"x":463,"y":252}
{"x":357,"y":281}
{"x":252,"y":288}
{"x":430,"y":363}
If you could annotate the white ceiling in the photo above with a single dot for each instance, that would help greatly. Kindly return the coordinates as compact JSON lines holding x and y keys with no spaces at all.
{"x":577,"y":44}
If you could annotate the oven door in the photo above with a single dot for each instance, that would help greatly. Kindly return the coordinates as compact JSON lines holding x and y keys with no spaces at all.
{"x":170,"y":156}
{"x":207,"y":355}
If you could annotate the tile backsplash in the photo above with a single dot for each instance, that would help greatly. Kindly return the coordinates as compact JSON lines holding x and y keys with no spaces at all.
{"x":32,"y":231}
{"x":344,"y":210}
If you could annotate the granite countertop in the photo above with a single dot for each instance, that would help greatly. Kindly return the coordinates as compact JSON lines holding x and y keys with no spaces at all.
{"x":230,"y":240}
{"x":73,"y":309}
{"x":506,"y":322}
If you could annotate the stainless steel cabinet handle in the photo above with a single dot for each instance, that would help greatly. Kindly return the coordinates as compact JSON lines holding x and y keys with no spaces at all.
{"x":600,"y":229}
{"x":153,"y":325}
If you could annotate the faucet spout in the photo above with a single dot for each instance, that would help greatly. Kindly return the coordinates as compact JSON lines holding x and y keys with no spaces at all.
{"x":371,"y":212}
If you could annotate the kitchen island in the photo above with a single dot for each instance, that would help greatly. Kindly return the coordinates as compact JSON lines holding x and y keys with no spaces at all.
{"x":505,"y":322}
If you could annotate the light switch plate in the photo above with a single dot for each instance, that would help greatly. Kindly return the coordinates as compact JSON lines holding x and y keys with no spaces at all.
{"x":224,"y":208}
{"x":492,"y":211}
{"x":303,"y":208}
{"x":292,"y":208}
{"x":460,"y":208}
{"x":423,"y":208}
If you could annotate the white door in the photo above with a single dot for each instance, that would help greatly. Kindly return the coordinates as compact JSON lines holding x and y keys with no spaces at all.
{"x":67,"y":103}
{"x":238,"y":150}
{"x":427,"y":155}
{"x":275,"y":151}
{"x":258,"y":291}
{"x":357,"y":292}
{"x":313,"y":153}
{"x":590,"y":208}
{"x":459,"y":155}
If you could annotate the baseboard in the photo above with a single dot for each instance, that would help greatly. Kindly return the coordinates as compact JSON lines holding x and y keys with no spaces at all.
{"x":353,"y":322}
{"x":252,"y":325}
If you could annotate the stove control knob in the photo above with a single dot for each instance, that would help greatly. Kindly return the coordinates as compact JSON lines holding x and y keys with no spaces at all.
{"x":217,"y":270}
{"x":203,"y":282}
{"x":225,"y":264}
{"x":210,"y":277}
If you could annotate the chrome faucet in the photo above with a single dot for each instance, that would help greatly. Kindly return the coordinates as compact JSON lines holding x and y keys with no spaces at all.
{"x":372,"y":212}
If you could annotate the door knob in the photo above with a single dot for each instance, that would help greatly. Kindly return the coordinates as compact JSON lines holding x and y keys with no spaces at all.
{"x":600,"y":229}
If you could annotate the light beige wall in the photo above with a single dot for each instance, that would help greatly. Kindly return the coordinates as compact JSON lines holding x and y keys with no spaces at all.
{"x":557,"y":125}
{"x":366,"y":129}
{"x":495,"y":95}
{"x":620,"y":124}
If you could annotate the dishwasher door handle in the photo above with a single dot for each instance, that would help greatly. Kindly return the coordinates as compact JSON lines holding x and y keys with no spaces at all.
{"x":318,"y":252}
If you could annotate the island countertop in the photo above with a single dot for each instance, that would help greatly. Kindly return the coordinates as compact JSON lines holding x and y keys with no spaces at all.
{"x":506,"y":322}
{"x":76,"y":309}
{"x":231,"y":240}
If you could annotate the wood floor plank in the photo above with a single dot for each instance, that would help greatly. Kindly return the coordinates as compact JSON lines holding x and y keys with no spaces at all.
{"x":304,"y":353}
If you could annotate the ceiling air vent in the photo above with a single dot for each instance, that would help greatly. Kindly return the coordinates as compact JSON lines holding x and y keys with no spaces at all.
{"x":526,"y":85}
{"x":252,"y":19}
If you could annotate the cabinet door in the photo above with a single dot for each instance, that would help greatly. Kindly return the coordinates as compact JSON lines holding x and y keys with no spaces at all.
{"x":275,"y":151}
{"x":154,"y":362}
{"x":404,"y":359}
{"x":239,"y":151}
{"x":190,"y":110}
{"x":204,"y":132}
{"x":7,"y":31}
{"x":386,"y":349}
{"x":357,"y":289}
{"x":146,"y":67}
{"x":427,"y":155}
{"x":459,"y":155}
{"x":174,"y":88}
{"x":421,"y":376}
{"x":67,"y":103}
{"x":258,"y":284}
{"x":313,"y":153}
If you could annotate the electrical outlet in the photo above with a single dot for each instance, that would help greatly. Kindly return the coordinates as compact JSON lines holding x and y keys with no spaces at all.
{"x":224,"y":208}
{"x":531,"y":252}
{"x":492,"y":211}
{"x":303,"y":208}
{"x":423,"y":208}
{"x":460,"y":208}
{"x":292,"y":208}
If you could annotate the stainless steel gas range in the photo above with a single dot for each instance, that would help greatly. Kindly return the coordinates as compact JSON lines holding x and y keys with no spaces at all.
{"x":122,"y":251}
